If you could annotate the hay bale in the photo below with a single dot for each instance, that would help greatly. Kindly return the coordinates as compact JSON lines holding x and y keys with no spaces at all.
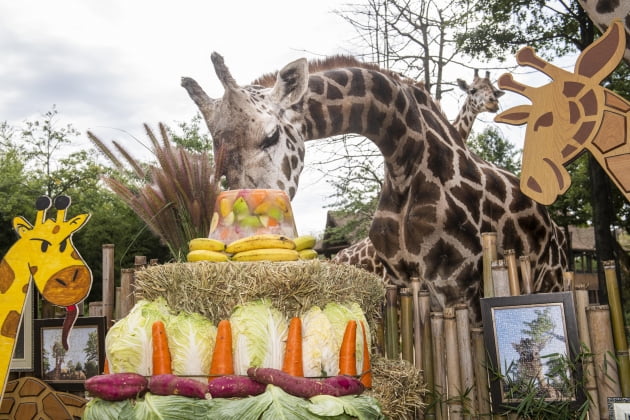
{"x":399,"y":387}
{"x":214,"y":289}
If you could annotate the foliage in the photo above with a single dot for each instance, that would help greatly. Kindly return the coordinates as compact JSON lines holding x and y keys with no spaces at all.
{"x":492,"y":147}
{"x":177,"y":194}
{"x":191,"y":137}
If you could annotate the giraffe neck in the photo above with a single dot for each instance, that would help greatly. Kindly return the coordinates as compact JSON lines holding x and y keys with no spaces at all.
{"x":465,"y":119}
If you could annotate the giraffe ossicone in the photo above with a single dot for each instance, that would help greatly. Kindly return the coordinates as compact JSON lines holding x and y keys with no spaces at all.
{"x":437,"y":196}
{"x":45,"y":255}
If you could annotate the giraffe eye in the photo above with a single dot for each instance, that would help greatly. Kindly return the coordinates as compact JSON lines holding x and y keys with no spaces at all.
{"x":45,"y":245}
{"x":271,"y":140}
{"x":545,"y":120}
{"x":62,"y":245}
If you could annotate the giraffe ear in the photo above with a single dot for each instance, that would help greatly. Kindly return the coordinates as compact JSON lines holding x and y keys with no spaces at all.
{"x":291,"y":83}
{"x":78,"y":221}
{"x":517,"y":115}
{"x":21,"y":225}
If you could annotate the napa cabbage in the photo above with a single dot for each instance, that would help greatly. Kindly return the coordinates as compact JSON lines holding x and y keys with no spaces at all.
{"x":320,"y":349}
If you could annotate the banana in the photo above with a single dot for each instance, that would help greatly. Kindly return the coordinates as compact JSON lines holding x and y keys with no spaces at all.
{"x":269,"y":254}
{"x":206,"y":255}
{"x":263,"y":241}
{"x":304,"y":242}
{"x":207,"y":244}
{"x":308,"y":254}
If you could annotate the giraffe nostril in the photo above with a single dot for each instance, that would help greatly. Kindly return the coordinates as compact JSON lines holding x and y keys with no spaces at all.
{"x":61,"y":282}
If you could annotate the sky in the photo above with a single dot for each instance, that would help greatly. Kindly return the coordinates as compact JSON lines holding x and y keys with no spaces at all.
{"x":111,"y":66}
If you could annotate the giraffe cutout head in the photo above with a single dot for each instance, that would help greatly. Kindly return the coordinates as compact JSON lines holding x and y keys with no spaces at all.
{"x":481,"y":94}
{"x":248,"y":123}
{"x":570,"y":114}
{"x":47,"y":251}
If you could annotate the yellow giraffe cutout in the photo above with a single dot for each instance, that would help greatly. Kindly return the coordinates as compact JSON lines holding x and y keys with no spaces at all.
{"x":44,"y":253}
{"x":571,"y":114}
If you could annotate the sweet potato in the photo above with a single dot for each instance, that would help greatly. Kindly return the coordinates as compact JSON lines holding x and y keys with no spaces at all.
{"x":345,"y":385}
{"x":232,"y":386}
{"x":294,"y":385}
{"x":116,"y":386}
{"x":169,"y":384}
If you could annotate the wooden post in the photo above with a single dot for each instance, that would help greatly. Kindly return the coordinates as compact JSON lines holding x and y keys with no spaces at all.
{"x":427,"y":351}
{"x":126,"y":291}
{"x":467,"y":371}
{"x":568,"y":280}
{"x":481,"y":372}
{"x":580,"y":294}
{"x":406,"y":324}
{"x":512,"y":270}
{"x":392,"y":335}
{"x":489,"y":254}
{"x":95,"y":308}
{"x":108,"y":284}
{"x":526,"y":275}
{"x":500,"y":281}
{"x":439,"y":369}
{"x":453,"y":373}
{"x":602,"y":347}
{"x":417,"y":332}
{"x":117,"y":304}
{"x":619,"y":331}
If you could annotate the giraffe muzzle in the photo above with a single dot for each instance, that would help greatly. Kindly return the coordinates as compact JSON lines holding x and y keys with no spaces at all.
{"x":68,"y":286}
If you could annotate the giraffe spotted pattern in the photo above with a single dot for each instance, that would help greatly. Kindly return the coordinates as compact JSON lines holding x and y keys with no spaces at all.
{"x":437,"y":197}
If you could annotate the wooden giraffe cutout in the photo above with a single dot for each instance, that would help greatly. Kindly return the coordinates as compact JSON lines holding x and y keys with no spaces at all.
{"x":571,"y":114}
{"x":44,"y":254}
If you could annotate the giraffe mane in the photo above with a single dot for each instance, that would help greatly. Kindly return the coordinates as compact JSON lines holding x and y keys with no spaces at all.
{"x":333,"y":62}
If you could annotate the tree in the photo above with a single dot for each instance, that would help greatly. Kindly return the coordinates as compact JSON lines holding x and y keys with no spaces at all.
{"x":492,"y":147}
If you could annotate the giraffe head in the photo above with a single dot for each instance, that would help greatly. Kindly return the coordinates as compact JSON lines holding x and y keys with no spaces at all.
{"x":481,"y":94}
{"x":46,"y":249}
{"x":255,"y":127}
{"x":565,"y":114}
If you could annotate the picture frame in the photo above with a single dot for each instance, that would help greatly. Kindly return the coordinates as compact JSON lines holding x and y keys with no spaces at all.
{"x":67,"y":370}
{"x":22,"y":359}
{"x":618,"y":408}
{"x":532,"y":343}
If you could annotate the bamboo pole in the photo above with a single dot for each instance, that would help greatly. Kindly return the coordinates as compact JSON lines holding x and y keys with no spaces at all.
{"x":500,"y":281}
{"x":606,"y":373}
{"x":109,"y":291}
{"x":512,"y":269}
{"x":379,"y":337}
{"x":392,"y":335}
{"x":406,"y":324}
{"x":526,"y":275}
{"x":126,"y":284}
{"x":482,"y":382}
{"x":467,"y":371}
{"x":580,"y":294}
{"x":424,"y":303}
{"x":489,"y":254}
{"x":439,"y":368}
{"x":417,"y":330}
{"x":619,"y":331}
{"x":568,"y":281}
{"x":453,"y":373}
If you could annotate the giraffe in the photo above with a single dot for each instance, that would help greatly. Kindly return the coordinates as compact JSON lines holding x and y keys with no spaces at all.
{"x":603,"y":12}
{"x":437,"y":196}
{"x":45,"y":255}
{"x":481,"y":96}
{"x":569,"y":115}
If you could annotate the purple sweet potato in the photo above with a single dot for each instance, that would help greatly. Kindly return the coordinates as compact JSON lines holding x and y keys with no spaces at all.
{"x":169,"y":384}
{"x":233,"y":386}
{"x":345,"y":385}
{"x":294,"y":385}
{"x":116,"y":386}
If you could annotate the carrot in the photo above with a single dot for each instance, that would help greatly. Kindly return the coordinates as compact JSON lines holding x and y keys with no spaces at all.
{"x":161,"y":353}
{"x":106,"y":367}
{"x":366,"y":375}
{"x":347,"y":352}
{"x":293,"y":354}
{"x":222,"y":359}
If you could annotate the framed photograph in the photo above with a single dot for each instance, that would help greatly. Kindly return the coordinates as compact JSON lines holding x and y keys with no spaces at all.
{"x":618,"y":408}
{"x":67,"y":370}
{"x":532,"y":344}
{"x":22,"y":359}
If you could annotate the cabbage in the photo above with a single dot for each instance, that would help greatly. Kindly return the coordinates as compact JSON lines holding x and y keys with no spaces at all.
{"x":128,"y":344}
{"x":320,"y":349}
{"x":191,"y":339}
{"x":259,"y":335}
{"x":339,"y":315}
{"x":171,"y":407}
{"x":98,"y":409}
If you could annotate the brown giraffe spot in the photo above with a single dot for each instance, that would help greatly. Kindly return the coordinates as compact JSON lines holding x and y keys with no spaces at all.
{"x":571,"y":89}
{"x":589,"y":102}
{"x":611,"y":133}
{"x":6,"y":276}
{"x":10,"y":325}
{"x":75,"y":255}
{"x":613,"y":101}
{"x":617,"y":166}
{"x":56,"y":229}
{"x":32,"y":269}
{"x":584,"y":132}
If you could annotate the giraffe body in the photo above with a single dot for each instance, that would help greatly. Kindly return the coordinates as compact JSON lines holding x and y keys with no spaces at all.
{"x":437,"y":196}
{"x":45,"y":255}
{"x":481,"y":96}
{"x":569,"y":115}
{"x":603,"y":12}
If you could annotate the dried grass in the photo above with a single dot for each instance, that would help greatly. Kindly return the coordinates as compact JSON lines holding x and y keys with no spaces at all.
{"x":399,"y":387}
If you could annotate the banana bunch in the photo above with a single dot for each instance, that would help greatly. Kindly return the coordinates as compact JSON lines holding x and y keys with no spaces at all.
{"x":304,"y":245}
{"x":206,"y":249}
{"x":263,"y":247}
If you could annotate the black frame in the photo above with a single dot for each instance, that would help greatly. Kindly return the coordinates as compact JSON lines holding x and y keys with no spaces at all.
{"x":22,"y":358}
{"x":618,"y":408}
{"x":46,"y":334}
{"x":562,"y":302}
